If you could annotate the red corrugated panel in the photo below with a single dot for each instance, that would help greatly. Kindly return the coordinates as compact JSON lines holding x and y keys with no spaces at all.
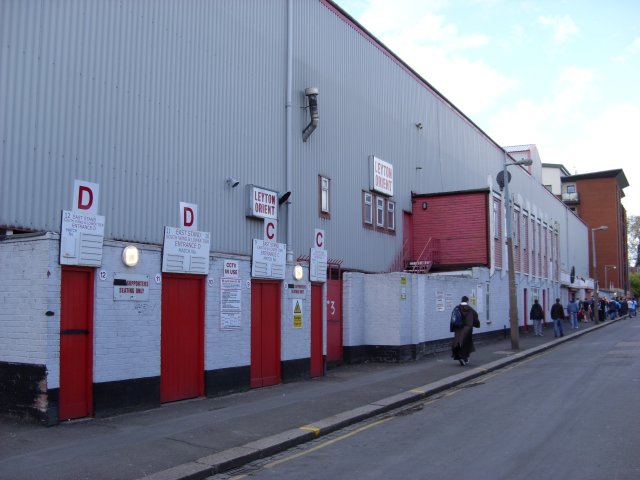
{"x":458,"y":222}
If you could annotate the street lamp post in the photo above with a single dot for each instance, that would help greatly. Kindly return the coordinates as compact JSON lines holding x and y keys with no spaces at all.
{"x":596,"y":301}
{"x":606,"y":283}
{"x":513,"y":298}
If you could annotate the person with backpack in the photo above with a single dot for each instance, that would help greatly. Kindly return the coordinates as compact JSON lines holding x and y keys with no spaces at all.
{"x":557,"y":315}
{"x":463,"y":319}
{"x":537,"y":315}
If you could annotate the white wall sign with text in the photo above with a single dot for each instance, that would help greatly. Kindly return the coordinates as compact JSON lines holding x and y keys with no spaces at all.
{"x":381,"y":176}
{"x":81,"y":238}
{"x":269,"y":259}
{"x":261,"y":203}
{"x":130,"y":287}
{"x":185,"y":251}
{"x":318,"y":265}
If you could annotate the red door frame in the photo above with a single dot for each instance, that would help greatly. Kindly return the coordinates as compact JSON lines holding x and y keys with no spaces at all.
{"x":266,"y":314}
{"x":76,"y":366}
{"x":173,"y":386}
{"x":317,"y":341}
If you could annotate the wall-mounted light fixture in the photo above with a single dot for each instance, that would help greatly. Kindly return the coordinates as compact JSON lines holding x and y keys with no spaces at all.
{"x":284,"y":197}
{"x":298,"y":272}
{"x":419,"y":126}
{"x":232,"y":182}
{"x":130,"y":255}
{"x":424,"y":205}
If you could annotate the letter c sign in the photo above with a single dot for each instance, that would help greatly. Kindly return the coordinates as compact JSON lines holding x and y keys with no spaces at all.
{"x":270,"y":230}
{"x":319,"y":238}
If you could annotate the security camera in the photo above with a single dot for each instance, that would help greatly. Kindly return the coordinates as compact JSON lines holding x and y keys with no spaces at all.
{"x":232,"y":182}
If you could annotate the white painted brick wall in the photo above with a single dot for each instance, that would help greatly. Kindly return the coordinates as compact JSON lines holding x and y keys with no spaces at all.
{"x":29,"y":287}
{"x":126,"y":333}
{"x":375,"y":314}
{"x":227,"y":348}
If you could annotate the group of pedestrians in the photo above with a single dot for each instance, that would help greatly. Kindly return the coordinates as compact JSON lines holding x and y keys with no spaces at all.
{"x":584,"y":310}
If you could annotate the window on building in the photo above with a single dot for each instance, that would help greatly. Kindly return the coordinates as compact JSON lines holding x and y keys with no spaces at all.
{"x":325,"y":190}
{"x":380,"y":211}
{"x":391,"y":215}
{"x":571,"y":189}
{"x":496,"y":220}
{"x":384,"y":211}
{"x":367,"y":211}
{"x":515,"y":227}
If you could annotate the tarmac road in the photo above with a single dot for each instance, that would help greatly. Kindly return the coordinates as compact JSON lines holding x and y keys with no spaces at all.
{"x":569,"y":412}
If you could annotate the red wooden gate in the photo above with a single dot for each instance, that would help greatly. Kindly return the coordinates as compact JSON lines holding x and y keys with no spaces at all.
{"x":76,"y":343}
{"x":265,"y":333}
{"x":317,"y":363}
{"x":182,"y":337}
{"x":334,"y":320}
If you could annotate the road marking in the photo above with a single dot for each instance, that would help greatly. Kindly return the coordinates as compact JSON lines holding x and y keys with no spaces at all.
{"x":328,"y":443}
{"x":417,"y":390}
{"x":311,"y":429}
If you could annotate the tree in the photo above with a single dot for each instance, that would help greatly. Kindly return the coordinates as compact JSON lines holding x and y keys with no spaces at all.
{"x":633,"y":240}
{"x":634,"y":281}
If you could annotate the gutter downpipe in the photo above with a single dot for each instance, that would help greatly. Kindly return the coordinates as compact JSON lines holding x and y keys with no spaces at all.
{"x":288,"y":107}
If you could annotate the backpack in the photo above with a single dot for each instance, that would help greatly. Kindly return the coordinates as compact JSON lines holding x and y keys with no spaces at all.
{"x":456,"y":319}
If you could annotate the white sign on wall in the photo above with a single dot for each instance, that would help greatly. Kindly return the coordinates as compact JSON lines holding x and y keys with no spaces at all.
{"x":270,"y":233}
{"x":85,"y":197}
{"x":319,"y":238}
{"x":82,"y":229}
{"x":230,"y":303}
{"x":318,"y":265}
{"x":185,"y":251}
{"x":261,"y":203}
{"x":230,"y":269}
{"x":381,"y":176}
{"x":188,"y":216}
{"x":269,"y":259}
{"x":130,"y":287}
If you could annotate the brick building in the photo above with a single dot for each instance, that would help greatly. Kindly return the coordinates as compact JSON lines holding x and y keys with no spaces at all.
{"x":596,"y":198}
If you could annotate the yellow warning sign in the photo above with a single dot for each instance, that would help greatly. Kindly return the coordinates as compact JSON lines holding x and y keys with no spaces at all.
{"x":297,"y":314}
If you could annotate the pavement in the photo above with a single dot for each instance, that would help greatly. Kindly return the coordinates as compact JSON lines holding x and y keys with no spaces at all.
{"x":198,"y":438}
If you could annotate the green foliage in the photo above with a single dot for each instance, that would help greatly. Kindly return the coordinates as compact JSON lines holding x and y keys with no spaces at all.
{"x":634,"y":281}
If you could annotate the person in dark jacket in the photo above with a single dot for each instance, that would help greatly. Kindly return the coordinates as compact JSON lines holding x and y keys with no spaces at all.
{"x":537,"y":315}
{"x":557,"y":314}
{"x":463,"y":338}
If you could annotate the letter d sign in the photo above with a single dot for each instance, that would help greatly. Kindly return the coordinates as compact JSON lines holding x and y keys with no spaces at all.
{"x":188,"y":216}
{"x":85,"y":197}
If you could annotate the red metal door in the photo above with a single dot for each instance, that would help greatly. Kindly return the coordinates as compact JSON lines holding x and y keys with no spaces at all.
{"x":76,"y":343}
{"x":182,"y":337}
{"x":265,"y":333}
{"x":317,"y":363}
{"x":334,"y":320}
{"x":407,"y":237}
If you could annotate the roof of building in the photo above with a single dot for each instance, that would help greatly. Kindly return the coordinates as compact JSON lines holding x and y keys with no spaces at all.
{"x":519,"y":148}
{"x":559,"y":166}
{"x":617,"y":173}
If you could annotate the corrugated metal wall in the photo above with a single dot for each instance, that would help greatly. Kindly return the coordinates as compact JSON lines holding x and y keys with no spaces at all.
{"x":160,"y":101}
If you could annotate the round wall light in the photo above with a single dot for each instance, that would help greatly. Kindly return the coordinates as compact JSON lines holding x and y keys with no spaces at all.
{"x":130,"y":255}
{"x":298,"y":272}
